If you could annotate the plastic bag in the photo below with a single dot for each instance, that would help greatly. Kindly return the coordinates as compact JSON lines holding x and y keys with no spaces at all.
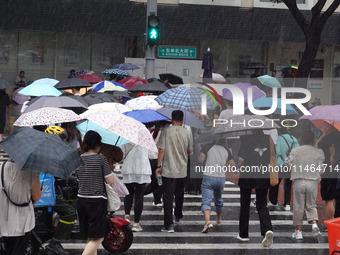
{"x":113,"y":200}
{"x":119,"y":187}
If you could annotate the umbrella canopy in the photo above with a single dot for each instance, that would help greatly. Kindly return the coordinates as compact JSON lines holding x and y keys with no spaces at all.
{"x":79,"y":99}
{"x":207,"y":64}
{"x":20,"y":98}
{"x":324,"y":112}
{"x":131,"y":81}
{"x":96,"y":108}
{"x":185,"y":98}
{"x":121,"y":126}
{"x":90,"y":78}
{"x":143,"y":102}
{"x":267,"y":102}
{"x":189,"y":118}
{"x":59,"y":102}
{"x":243,"y":124}
{"x":125,"y":66}
{"x":257,"y":93}
{"x":146,"y":116}
{"x":155,"y":86}
{"x":321,"y":124}
{"x":5,"y":84}
{"x":40,"y":89}
{"x":120,"y":93}
{"x":269,"y":81}
{"x":72,"y":83}
{"x":172,"y":78}
{"x":81,"y":72}
{"x":97,"y":98}
{"x":37,"y":151}
{"x":108,"y":86}
{"x":117,"y":72}
{"x":46,"y":116}
{"x":45,"y":81}
{"x":216,"y":77}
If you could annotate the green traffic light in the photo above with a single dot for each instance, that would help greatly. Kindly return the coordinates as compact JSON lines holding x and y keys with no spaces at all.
{"x":153,"y":34}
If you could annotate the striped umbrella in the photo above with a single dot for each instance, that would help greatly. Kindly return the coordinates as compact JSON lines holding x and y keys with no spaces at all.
{"x":108,"y":86}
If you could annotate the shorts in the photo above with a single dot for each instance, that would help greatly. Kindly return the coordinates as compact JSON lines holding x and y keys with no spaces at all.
{"x":92,"y":217}
{"x":328,"y":189}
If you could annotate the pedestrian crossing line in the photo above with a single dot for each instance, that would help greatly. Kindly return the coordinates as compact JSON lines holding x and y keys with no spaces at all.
{"x":223,"y":196}
{"x":232,"y":189}
{"x":197,"y":204}
{"x":212,"y":246}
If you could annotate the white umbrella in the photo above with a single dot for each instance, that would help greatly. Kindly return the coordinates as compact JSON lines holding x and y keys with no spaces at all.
{"x":143,"y":102}
{"x":96,"y":108}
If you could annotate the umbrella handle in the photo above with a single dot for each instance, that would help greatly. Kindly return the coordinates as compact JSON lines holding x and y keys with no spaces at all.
{"x":117,"y":141}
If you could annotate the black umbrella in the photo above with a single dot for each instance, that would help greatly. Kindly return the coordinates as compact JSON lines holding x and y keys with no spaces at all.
{"x":172,"y":78}
{"x":208,"y":65}
{"x":97,"y":98}
{"x":155,"y":86}
{"x":72,"y":83}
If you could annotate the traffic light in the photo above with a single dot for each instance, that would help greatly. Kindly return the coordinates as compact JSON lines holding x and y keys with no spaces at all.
{"x":153,"y":30}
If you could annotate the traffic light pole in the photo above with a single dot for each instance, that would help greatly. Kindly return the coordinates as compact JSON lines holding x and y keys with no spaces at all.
{"x":150,"y":50}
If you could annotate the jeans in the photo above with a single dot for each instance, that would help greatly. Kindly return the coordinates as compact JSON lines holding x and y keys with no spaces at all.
{"x":172,"y":187}
{"x":212,"y":186}
{"x":136,"y":190}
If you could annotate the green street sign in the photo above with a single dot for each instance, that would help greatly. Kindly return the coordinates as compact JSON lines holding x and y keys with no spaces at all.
{"x":177,"y":52}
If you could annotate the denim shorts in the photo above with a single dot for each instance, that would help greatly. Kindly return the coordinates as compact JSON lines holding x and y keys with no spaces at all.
{"x":212,"y":187}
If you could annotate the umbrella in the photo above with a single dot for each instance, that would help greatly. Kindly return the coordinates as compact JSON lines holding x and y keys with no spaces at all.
{"x":119,"y":127}
{"x":215,"y":77}
{"x":131,"y":81}
{"x":97,"y":98}
{"x":324,"y":112}
{"x":37,"y":151}
{"x":143,"y":102}
{"x":267,"y":102}
{"x":208,"y":64}
{"x":269,"y":81}
{"x":46,"y":116}
{"x":146,"y":115}
{"x":184,"y":98}
{"x":45,"y":81}
{"x":172,"y":78}
{"x":79,"y":99}
{"x":5,"y":84}
{"x":117,"y":72}
{"x":59,"y":102}
{"x":90,"y":78}
{"x":81,"y":72}
{"x":96,"y":108}
{"x":120,"y":93}
{"x":286,"y":68}
{"x":40,"y":89}
{"x":125,"y":66}
{"x":155,"y":86}
{"x":189,"y":118}
{"x":20,"y":98}
{"x":257,"y":93}
{"x":243,"y":124}
{"x":320,"y":124}
{"x":72,"y":83}
{"x":108,"y":86}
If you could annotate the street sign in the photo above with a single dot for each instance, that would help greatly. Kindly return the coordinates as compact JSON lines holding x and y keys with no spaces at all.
{"x":177,"y":52}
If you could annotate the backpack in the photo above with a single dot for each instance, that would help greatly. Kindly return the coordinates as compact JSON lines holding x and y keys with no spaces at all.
{"x":290,"y":147}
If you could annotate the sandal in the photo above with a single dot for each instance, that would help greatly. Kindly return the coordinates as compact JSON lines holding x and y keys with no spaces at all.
{"x":207,"y":227}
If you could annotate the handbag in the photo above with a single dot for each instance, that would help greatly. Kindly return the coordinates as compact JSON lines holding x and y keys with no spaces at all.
{"x":113,"y":200}
{"x":119,"y":187}
{"x":273,"y":170}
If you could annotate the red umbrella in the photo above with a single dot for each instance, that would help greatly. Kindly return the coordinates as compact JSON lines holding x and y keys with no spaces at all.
{"x":131,"y":81}
{"x":90,"y":78}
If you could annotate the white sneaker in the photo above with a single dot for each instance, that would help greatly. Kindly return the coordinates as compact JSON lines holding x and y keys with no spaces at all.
{"x":315,"y":229}
{"x":243,"y":239}
{"x":287,"y":208}
{"x":297,"y":235}
{"x":268,"y":239}
{"x":136,"y":228}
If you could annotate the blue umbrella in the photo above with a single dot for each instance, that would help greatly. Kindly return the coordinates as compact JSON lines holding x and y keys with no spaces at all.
{"x":106,"y":84}
{"x":81,"y":72}
{"x":45,"y":81}
{"x":189,"y":118}
{"x":146,"y":116}
{"x":267,"y":102}
{"x":269,"y":81}
{"x":117,"y":72}
{"x":39,"y":89}
{"x":108,"y":137}
{"x":125,"y":66}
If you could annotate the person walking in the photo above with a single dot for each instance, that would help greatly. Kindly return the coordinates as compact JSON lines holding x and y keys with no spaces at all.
{"x":217,"y":158}
{"x":5,"y":103}
{"x":16,"y":211}
{"x":306,"y":167}
{"x":136,"y":171}
{"x":92,"y":197}
{"x":174,"y":145}
{"x":255,"y":151}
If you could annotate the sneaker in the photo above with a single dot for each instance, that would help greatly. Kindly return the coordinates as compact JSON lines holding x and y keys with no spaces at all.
{"x":268,"y":239}
{"x":127,"y":217}
{"x":287,"y":208}
{"x":56,"y":248}
{"x":253,"y":203}
{"x":297,"y":235}
{"x":207,"y":227}
{"x":270,"y":204}
{"x":158,"y":204}
{"x":315,"y":229}
{"x":243,"y":239}
{"x":177,"y":220}
{"x":136,"y":228}
{"x":170,"y":229}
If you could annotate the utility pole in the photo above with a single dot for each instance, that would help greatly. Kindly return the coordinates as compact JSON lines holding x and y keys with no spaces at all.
{"x":150,"y":49}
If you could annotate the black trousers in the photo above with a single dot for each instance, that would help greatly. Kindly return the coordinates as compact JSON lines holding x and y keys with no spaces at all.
{"x":274,"y":191}
{"x":153,"y":186}
{"x":137,"y":190}
{"x":16,"y":245}
{"x":261,"y":206}
{"x":173,"y":187}
{"x":337,"y":205}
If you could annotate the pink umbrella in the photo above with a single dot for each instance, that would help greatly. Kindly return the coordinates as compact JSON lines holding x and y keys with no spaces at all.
{"x":131,"y":81}
{"x":257,"y":93}
{"x":90,"y":78}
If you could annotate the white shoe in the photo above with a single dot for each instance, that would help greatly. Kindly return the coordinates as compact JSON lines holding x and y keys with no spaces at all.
{"x":243,"y":239}
{"x":287,"y":208}
{"x":136,"y":228}
{"x":315,"y":229}
{"x":297,"y":235}
{"x":268,"y":239}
